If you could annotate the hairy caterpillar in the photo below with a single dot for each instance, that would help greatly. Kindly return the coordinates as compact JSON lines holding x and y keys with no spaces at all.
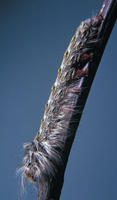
{"x":45,"y":157}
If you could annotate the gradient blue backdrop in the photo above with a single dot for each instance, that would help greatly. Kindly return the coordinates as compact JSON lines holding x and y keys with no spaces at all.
{"x":34,"y":36}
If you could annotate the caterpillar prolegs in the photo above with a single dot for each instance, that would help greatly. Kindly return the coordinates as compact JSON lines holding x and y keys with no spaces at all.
{"x":46,"y":156}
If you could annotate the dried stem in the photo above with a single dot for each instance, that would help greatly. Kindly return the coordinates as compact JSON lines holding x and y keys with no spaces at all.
{"x":46,"y":157}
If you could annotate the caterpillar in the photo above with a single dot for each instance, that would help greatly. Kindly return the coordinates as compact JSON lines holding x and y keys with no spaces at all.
{"x":45,"y":157}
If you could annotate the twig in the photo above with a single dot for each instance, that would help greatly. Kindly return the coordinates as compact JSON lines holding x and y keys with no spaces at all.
{"x":46,"y":157}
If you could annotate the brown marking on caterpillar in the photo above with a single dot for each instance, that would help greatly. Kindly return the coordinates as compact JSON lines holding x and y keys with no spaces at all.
{"x":81,"y":72}
{"x":84,"y":71}
{"x":86,"y":57}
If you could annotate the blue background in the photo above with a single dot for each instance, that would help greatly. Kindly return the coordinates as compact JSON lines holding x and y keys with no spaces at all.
{"x":34,"y":36}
